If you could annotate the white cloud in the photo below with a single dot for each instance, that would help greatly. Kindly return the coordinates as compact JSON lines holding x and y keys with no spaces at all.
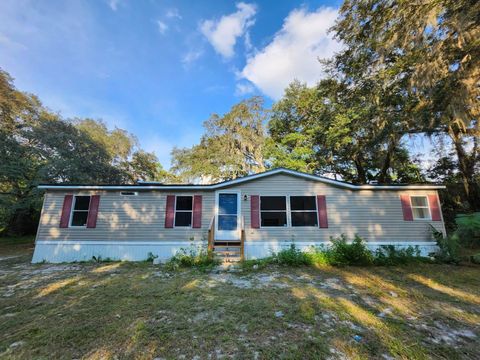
{"x":190,"y":57}
{"x":162,"y":27}
{"x":223,"y":33}
{"x":173,"y":13}
{"x":293,"y":53}
{"x":113,"y":4}
{"x":244,"y":89}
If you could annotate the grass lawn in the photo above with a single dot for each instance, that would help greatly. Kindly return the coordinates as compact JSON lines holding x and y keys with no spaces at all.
{"x":139,"y":310}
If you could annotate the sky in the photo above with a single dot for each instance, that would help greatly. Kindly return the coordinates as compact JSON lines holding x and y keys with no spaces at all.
{"x":160,"y":68}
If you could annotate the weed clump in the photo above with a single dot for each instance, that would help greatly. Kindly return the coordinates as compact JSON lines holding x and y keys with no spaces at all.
{"x":192,"y":257}
{"x":341,"y":252}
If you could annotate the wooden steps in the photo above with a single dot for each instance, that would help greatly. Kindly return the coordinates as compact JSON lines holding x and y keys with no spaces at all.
{"x":227,"y":251}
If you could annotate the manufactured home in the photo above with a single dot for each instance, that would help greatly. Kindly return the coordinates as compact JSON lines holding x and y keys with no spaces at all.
{"x":249,"y":217}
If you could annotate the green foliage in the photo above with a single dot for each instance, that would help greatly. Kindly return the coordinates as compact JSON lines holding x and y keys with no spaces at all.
{"x":232,"y":146}
{"x":192,"y":257}
{"x":39,"y":146}
{"x":257,"y":264}
{"x":424,"y":60}
{"x":449,"y":247}
{"x":151,"y":257}
{"x":334,"y":128}
{"x":293,"y":257}
{"x":340,"y":253}
{"x":468,"y":229}
{"x":343,"y":253}
{"x":475,"y":258}
{"x":389,"y":255}
{"x":99,"y":259}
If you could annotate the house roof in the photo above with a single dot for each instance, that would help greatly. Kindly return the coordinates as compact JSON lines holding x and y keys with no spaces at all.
{"x":150,"y":185}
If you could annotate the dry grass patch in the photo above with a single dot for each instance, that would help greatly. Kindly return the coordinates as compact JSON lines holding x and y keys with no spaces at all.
{"x":142,"y":311}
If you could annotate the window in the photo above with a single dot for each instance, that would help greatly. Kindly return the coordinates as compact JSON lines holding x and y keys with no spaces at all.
{"x":183,"y":211}
{"x":303,"y":210}
{"x":420,"y":207}
{"x":273,"y":211}
{"x":80,"y":211}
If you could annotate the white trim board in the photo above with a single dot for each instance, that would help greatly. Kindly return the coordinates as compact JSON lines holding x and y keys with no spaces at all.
{"x":159,"y":186}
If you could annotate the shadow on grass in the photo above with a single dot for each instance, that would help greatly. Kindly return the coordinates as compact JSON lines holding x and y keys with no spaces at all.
{"x":139,"y":310}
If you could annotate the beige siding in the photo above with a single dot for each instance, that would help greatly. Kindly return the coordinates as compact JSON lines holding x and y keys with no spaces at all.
{"x":121,"y":218}
{"x":375,"y":215}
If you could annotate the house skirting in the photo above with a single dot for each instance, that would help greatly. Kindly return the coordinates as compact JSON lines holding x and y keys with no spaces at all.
{"x":70,"y":251}
{"x":261,"y":249}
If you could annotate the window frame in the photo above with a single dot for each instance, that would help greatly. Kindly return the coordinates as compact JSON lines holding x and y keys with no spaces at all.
{"x":429,"y":218}
{"x":292,"y":211}
{"x":70,"y":225}
{"x":287,"y":210}
{"x":184,"y":211}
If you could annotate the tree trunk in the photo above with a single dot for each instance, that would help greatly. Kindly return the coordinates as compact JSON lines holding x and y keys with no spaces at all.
{"x":361,"y":174}
{"x":383,"y":177}
{"x":466,"y":167}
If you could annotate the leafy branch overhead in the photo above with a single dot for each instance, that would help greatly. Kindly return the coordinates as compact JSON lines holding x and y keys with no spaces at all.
{"x":407,"y":71}
{"x":232,"y":146}
{"x":37,"y":145}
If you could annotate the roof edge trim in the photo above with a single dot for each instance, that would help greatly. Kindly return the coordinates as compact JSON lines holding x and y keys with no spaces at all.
{"x":157,"y":186}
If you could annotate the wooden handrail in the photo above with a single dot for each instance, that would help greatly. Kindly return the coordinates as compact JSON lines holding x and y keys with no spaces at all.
{"x":242,"y":239}
{"x":211,"y":235}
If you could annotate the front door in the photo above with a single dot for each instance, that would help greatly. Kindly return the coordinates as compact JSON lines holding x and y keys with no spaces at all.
{"x":227,"y":222}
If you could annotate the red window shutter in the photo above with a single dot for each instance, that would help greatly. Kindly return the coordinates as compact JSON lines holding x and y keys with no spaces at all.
{"x":170,"y":211}
{"x":322,"y":211}
{"x":66,"y":210}
{"x":93,"y":211}
{"x":254,"y":211}
{"x":406,"y":207}
{"x":197,"y":211}
{"x":434,"y":207}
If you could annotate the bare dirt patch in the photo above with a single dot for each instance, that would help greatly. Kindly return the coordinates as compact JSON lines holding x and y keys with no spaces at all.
{"x":125,"y":310}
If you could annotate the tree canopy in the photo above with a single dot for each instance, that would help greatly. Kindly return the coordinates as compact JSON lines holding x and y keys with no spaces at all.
{"x":39,"y":146}
{"x":232,"y":146}
{"x":406,"y":69}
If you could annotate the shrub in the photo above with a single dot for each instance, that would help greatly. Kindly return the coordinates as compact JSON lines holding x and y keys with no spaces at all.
{"x":99,"y":259}
{"x":388,"y":255}
{"x":340,"y":253}
{"x":293,"y":257}
{"x":448,"y":247}
{"x":475,"y":258}
{"x":257,"y":264}
{"x":192,"y":257}
{"x":343,"y":253}
{"x":151,"y":257}
{"x":468,"y":229}
{"x":320,"y":256}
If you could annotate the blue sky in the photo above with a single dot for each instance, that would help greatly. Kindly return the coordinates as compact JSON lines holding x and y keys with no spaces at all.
{"x":159,"y":68}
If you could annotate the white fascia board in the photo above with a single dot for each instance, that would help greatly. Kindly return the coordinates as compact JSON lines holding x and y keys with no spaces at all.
{"x":155,"y":186}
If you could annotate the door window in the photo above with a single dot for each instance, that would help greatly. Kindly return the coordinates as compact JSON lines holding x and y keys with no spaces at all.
{"x":227,"y":211}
